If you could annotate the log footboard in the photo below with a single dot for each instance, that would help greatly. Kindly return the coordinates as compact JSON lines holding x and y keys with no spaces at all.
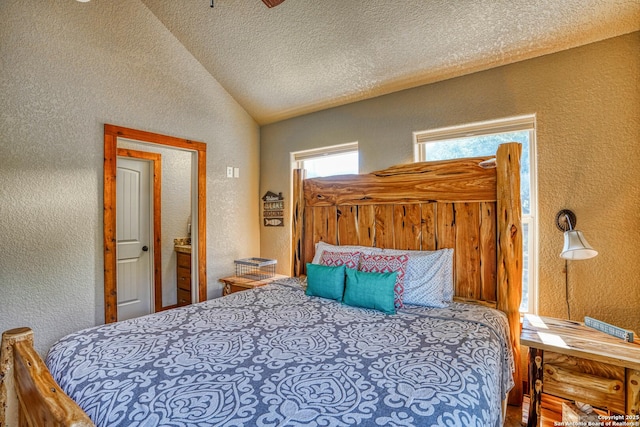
{"x":29,"y":396}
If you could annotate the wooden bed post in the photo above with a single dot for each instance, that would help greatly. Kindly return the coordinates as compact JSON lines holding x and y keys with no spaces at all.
{"x":9,"y":412}
{"x":509,"y":286}
{"x":23,"y":373}
{"x":297,"y":222}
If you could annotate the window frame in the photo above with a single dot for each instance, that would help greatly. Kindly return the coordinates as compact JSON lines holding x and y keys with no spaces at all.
{"x":494,"y":127}
{"x":299,"y":157}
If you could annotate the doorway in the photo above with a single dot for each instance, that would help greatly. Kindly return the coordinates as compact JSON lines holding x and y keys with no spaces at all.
{"x":198,"y":189}
{"x":138,"y":235}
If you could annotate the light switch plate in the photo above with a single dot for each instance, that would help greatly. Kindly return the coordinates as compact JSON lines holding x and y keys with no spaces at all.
{"x":229,"y":171}
{"x":236,"y":172}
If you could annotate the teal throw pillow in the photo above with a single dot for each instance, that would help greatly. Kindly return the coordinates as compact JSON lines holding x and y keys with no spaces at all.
{"x":370,"y":290}
{"x":324,"y":281}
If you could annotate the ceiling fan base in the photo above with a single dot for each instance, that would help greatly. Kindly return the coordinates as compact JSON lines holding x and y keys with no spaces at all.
{"x":272,"y":3}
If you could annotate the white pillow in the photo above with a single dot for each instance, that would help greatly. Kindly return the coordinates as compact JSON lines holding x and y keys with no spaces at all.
{"x":322,"y":246}
{"x":429,"y":277}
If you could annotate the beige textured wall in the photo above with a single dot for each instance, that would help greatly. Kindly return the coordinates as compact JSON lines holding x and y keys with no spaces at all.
{"x":66,"y":69}
{"x":587,"y":102}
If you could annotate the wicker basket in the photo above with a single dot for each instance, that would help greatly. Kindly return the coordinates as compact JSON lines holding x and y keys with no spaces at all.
{"x":256,"y":268}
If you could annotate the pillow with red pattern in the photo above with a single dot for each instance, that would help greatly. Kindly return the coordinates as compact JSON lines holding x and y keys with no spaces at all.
{"x":322,"y":246}
{"x":337,"y":259}
{"x":377,"y":263}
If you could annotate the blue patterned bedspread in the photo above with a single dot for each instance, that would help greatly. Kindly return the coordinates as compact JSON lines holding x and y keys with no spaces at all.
{"x":275,"y":357}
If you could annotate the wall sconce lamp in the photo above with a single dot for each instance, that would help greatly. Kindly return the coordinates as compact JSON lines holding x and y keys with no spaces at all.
{"x":575,"y":246}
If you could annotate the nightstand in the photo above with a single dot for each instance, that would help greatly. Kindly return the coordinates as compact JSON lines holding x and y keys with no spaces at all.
{"x":238,"y":283}
{"x":572,"y":362}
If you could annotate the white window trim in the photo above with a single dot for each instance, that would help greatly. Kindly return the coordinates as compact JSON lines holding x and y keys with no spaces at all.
{"x":298,"y":157}
{"x":505,"y":125}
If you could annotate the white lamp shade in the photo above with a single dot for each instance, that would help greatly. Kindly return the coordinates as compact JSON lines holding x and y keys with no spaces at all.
{"x":576,"y":246}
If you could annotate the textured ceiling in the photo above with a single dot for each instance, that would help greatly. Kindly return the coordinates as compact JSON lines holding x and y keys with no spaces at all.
{"x":307,"y":55}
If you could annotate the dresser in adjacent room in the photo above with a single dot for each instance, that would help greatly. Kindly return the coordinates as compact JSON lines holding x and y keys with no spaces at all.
{"x":183,"y":255}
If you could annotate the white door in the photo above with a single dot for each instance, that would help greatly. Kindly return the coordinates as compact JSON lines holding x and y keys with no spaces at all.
{"x":133,"y":224}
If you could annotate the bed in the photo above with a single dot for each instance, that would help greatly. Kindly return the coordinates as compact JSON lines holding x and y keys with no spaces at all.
{"x":278,"y":356}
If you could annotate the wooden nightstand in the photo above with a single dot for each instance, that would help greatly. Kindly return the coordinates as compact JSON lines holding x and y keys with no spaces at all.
{"x":568,"y":360}
{"x":237,"y":283}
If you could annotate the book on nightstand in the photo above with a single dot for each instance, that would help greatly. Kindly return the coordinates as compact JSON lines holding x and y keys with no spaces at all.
{"x":623,"y":334}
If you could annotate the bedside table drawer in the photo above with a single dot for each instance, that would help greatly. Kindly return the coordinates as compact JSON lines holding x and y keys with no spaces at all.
{"x":599,"y":384}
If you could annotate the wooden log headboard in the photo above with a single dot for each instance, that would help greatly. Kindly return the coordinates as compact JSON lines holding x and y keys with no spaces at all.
{"x":471,"y":205}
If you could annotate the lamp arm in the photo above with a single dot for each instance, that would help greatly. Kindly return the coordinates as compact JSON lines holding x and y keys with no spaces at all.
{"x":566,"y":287}
{"x":569,"y":222}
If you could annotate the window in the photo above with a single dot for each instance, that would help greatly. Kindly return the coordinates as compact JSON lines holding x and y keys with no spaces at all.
{"x":482,"y":139}
{"x":335,"y":160}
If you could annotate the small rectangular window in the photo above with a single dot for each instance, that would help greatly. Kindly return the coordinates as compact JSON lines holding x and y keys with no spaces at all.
{"x":334,"y":160}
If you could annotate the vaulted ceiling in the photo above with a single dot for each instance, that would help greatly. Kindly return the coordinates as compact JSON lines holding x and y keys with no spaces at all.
{"x":307,"y":55}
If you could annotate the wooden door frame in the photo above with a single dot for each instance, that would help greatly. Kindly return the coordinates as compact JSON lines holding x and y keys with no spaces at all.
{"x":156,"y":164}
{"x":111,"y":135}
